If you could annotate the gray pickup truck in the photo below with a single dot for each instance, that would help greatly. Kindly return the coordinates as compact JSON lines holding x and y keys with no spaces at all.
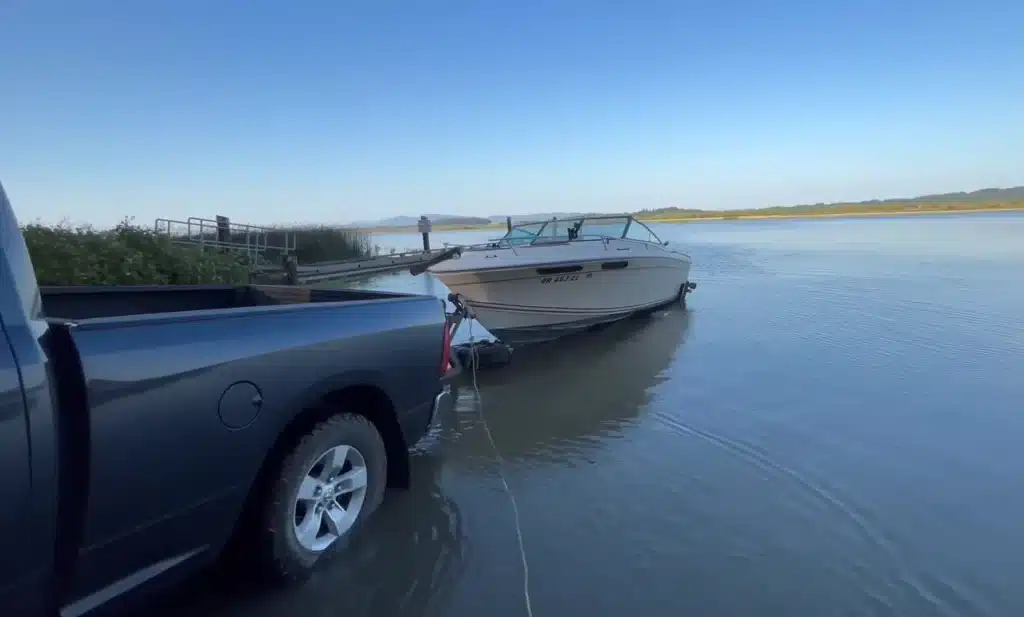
{"x":146,"y":431}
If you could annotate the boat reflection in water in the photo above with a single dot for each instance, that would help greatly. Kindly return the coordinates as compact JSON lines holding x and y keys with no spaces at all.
{"x":566,"y":395}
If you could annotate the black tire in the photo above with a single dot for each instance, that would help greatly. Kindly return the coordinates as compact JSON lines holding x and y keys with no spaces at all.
{"x":281,"y":557}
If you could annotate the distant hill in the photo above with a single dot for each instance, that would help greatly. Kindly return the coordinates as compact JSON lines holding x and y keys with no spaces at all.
{"x":540,"y":216}
{"x":460,"y":220}
{"x":982,"y":196}
{"x":1016,"y":192}
{"x":435,"y":219}
{"x":990,"y":195}
{"x":457,"y":219}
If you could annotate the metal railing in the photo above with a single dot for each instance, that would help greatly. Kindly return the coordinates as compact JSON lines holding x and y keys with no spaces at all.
{"x":251,"y":240}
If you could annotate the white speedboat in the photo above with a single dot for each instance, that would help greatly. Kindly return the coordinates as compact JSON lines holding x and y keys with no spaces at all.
{"x":549,"y":278}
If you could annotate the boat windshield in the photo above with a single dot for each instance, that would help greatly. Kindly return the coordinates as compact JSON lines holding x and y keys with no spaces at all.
{"x":603,"y":227}
{"x":522,"y":234}
{"x":583,"y":228}
{"x":639,"y":231}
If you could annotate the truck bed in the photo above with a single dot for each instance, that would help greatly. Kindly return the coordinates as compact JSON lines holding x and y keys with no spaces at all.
{"x":195,"y":385}
{"x":91,"y":302}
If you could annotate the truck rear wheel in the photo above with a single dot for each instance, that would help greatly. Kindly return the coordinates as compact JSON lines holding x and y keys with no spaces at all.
{"x":331,"y":481}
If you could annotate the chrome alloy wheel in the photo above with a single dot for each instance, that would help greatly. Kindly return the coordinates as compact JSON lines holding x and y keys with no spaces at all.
{"x":330,"y":498}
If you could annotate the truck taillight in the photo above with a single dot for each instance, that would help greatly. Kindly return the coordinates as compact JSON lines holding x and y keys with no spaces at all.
{"x":446,"y":345}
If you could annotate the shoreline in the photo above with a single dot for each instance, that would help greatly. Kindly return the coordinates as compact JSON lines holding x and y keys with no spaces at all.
{"x":723,"y":217}
{"x":827,"y":215}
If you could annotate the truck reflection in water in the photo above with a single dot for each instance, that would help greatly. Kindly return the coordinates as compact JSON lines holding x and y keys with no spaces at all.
{"x":445,"y":546}
{"x":406,"y":561}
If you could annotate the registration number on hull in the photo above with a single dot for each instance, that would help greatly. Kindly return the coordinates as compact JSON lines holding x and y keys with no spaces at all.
{"x":564,"y":278}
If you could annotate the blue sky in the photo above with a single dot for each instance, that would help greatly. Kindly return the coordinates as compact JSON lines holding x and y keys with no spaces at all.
{"x":333,"y":111}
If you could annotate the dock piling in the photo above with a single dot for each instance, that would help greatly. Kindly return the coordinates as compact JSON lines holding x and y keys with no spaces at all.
{"x":425,"y":228}
{"x":291,"y":269}
{"x":223,"y":229}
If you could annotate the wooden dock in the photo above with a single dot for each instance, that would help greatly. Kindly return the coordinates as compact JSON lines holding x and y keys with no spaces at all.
{"x":257,"y":243}
{"x":355,"y":268}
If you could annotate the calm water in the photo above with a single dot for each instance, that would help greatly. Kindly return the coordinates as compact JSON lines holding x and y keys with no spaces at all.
{"x":833,"y":428}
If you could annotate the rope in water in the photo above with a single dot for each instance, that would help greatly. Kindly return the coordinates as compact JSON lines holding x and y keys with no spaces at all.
{"x":474,"y":360}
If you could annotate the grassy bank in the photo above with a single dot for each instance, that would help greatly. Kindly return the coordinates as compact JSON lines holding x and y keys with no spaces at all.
{"x":676,"y":215}
{"x":682,"y":215}
{"x":316,"y":243}
{"x":133,"y":255}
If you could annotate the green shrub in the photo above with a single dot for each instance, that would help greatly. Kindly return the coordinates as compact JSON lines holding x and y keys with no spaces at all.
{"x":125,"y":255}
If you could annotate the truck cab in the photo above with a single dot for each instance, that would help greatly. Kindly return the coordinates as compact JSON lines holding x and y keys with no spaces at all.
{"x":28,"y":439}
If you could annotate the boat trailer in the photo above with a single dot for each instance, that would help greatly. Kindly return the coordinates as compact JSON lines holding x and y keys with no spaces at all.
{"x":684,"y":290}
{"x":475,"y":354}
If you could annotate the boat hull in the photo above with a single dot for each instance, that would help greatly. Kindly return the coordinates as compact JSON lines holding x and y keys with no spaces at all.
{"x":535,"y":302}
